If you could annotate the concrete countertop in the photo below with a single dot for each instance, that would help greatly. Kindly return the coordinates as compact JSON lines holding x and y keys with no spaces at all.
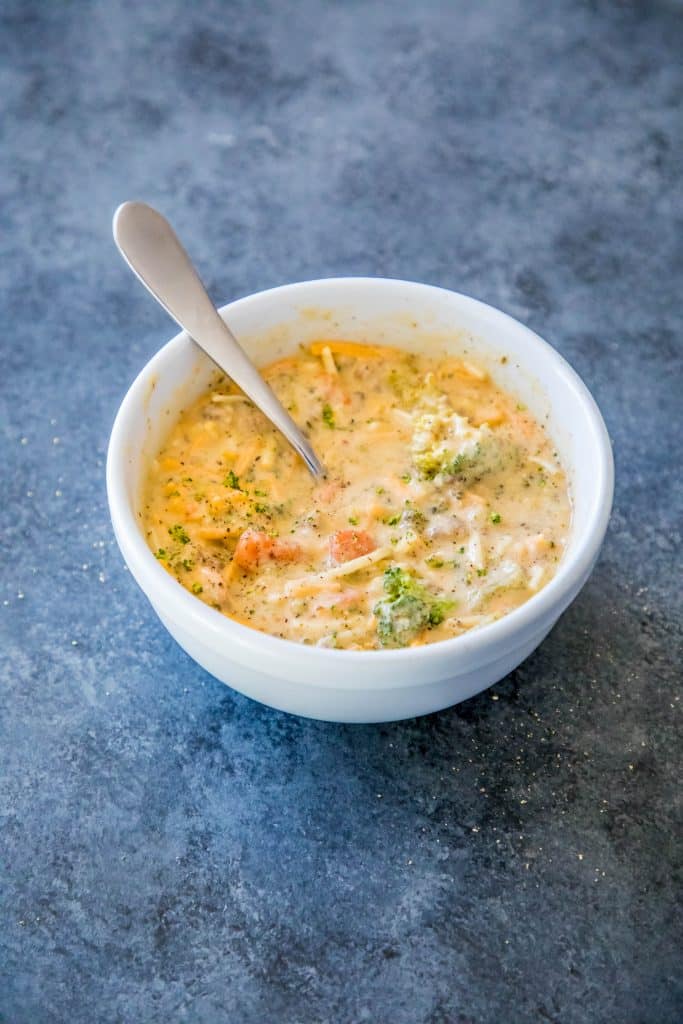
{"x":172,"y":851}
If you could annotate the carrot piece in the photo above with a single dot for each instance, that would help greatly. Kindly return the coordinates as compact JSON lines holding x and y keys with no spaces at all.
{"x":348,"y":544}
{"x":255,"y":547}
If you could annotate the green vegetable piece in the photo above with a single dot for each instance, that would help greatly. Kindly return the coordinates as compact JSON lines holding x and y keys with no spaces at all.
{"x":399,"y":620}
{"x":232,"y":480}
{"x":161,"y":553}
{"x":446,"y":444}
{"x":178,"y":533}
{"x":438,"y":612}
{"x":197,"y":588}
{"x":407,"y":609}
{"x":328,"y":415}
{"x":495,"y":517}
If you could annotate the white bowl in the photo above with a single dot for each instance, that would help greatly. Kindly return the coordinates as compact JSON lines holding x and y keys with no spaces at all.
{"x":365,"y":686}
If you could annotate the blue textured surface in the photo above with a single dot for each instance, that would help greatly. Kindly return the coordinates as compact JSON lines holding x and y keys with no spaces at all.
{"x":172,"y":851}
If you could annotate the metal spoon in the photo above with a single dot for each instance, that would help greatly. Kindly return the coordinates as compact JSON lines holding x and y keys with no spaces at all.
{"x":151,"y":249}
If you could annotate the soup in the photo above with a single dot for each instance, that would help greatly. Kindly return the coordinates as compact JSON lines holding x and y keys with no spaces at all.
{"x":444,"y":508}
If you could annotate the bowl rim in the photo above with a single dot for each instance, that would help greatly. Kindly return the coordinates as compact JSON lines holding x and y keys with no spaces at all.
{"x":181,"y":606}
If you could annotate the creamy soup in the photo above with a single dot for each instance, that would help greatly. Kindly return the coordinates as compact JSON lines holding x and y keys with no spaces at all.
{"x":445,"y":505}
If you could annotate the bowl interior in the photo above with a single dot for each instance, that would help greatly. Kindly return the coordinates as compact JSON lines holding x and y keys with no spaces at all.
{"x":411,"y":316}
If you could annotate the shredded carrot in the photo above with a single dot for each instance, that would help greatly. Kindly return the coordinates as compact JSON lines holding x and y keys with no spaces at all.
{"x":348,"y":348}
{"x":218,"y":532}
{"x":177,"y":504}
{"x":220,"y":504}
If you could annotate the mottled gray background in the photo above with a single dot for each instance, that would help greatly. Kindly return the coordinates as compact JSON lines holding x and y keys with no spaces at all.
{"x":172,"y":852}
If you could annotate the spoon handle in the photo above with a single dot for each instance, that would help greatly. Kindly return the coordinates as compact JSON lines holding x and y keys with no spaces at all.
{"x":152,"y":250}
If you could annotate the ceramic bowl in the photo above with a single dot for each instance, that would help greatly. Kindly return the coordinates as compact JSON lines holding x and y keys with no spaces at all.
{"x":365,"y":686}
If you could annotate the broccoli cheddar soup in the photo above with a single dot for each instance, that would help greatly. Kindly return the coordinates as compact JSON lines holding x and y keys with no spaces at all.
{"x":445,"y":505}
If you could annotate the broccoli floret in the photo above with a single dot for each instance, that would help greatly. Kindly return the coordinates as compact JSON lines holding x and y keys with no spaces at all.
{"x":328,"y":416}
{"x":400,"y":620}
{"x":398,"y":582}
{"x":446,"y":444}
{"x":407,"y":609}
{"x":179,"y":533}
{"x":438,"y":612}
